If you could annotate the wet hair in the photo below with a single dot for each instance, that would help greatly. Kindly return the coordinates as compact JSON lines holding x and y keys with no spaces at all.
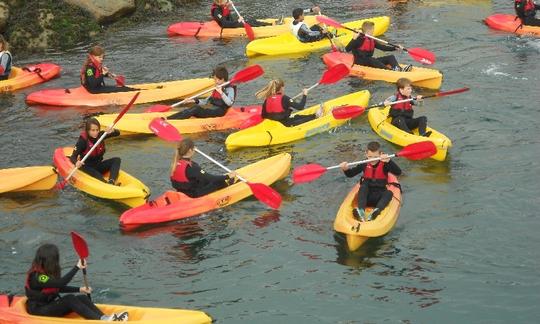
{"x":373,"y":146}
{"x":221,"y":72}
{"x":88,"y":125}
{"x":182,"y":148}
{"x":273,"y":87}
{"x":401,"y":83}
{"x":47,"y":260}
{"x":5,"y":44}
{"x":296,"y":13}
{"x":367,"y":25}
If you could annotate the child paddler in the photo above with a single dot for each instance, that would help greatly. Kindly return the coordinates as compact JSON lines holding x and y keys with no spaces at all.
{"x":221,"y":12}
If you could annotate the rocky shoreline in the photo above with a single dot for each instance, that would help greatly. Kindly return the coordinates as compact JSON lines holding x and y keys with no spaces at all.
{"x":35,"y":25}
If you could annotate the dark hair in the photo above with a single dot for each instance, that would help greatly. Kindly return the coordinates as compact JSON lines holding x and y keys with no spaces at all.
{"x":47,"y":261}
{"x":402,"y":83}
{"x":373,"y":146}
{"x":221,"y":72}
{"x":89,"y":123}
{"x":296,"y":13}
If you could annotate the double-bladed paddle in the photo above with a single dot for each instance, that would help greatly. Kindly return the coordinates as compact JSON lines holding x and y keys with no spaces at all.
{"x":80,"y":246}
{"x":354,"y":111}
{"x":244,"y":75}
{"x":313,"y":171}
{"x":264,"y":193}
{"x":63,"y":183}
{"x":418,"y":54}
{"x":249,"y":30}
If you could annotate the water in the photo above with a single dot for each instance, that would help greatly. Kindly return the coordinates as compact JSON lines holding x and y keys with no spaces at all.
{"x":465,"y":248}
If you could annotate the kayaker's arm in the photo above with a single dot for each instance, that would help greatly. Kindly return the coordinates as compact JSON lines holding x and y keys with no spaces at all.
{"x":392,"y":167}
{"x":114,"y":133}
{"x":195,"y":174}
{"x":228,"y":96}
{"x":354,"y":44}
{"x":288,"y":103}
{"x":351,"y":172}
{"x":225,"y":22}
{"x":91,"y":82}
{"x":383,"y":47}
{"x":79,"y":148}
{"x":39,"y":281}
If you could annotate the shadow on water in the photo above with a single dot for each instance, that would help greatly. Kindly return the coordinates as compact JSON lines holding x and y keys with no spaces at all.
{"x":361,"y":258}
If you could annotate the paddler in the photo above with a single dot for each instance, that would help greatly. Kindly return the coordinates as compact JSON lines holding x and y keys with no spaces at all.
{"x":94,"y":164}
{"x":44,"y":284}
{"x":402,"y":113}
{"x":219,"y":102}
{"x":301,"y":30}
{"x":373,"y":191}
{"x":526,"y":11}
{"x":221,"y":11}
{"x":5,"y":59}
{"x":363,"y":47}
{"x":188,"y":177}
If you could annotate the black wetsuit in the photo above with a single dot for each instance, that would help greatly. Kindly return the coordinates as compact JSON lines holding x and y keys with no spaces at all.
{"x":97,"y":85}
{"x":366,"y":57}
{"x":199,"y":182}
{"x":528,"y":17}
{"x":229,"y":22}
{"x":284,"y":117}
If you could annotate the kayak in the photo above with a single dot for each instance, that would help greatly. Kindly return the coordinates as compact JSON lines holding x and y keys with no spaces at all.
{"x":420,"y":76}
{"x":14,"y":311}
{"x":150,"y":92}
{"x":212,"y":29}
{"x":379,"y":121}
{"x":289,"y":44}
{"x":174,"y":205}
{"x":138,"y":123}
{"x":130,"y":190}
{"x":28,"y":178}
{"x":510,"y":23}
{"x":271,"y":132}
{"x":357,"y":232}
{"x":28,"y":76}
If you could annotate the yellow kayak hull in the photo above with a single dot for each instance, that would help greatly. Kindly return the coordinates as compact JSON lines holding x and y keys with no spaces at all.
{"x":27,"y":179}
{"x":271,"y":132}
{"x":357,"y":232}
{"x":381,"y":124}
{"x":288,"y":44}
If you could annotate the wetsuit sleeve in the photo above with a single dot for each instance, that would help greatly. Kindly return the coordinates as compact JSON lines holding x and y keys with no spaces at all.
{"x":5,"y":62}
{"x":288,"y":103}
{"x":79,"y":148}
{"x":392,"y":167}
{"x":225,"y":22}
{"x":383,"y":47}
{"x":228,"y":96}
{"x":354,"y":44}
{"x":40,"y":281}
{"x":114,"y":133}
{"x":91,"y":82}
{"x":392,"y":98}
{"x":351,"y":172}
{"x":307,"y":33}
{"x":195,"y":174}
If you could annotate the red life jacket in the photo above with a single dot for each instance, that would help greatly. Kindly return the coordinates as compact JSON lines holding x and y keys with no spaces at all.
{"x":93,"y":64}
{"x":179,"y":174}
{"x":529,"y":4}
{"x":404,"y":105}
{"x":225,"y":11}
{"x":45,"y":291}
{"x":216,"y":100}
{"x":375,"y":173}
{"x":274,"y":104}
{"x":368,"y":45}
{"x":99,"y":151}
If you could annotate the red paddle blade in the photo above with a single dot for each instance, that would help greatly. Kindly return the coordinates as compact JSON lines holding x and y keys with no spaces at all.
{"x":328,"y":21}
{"x":334,"y":74}
{"x":120,"y":80}
{"x":421,"y":55}
{"x":248,"y":74}
{"x":451,"y":92}
{"x":80,"y":246}
{"x":158,"y":108}
{"x":265,"y":194}
{"x":418,"y":151}
{"x":347,"y":112}
{"x":164,"y":130}
{"x":61,"y":185}
{"x":251,"y":121}
{"x":249,"y":31}
{"x":307,"y":173}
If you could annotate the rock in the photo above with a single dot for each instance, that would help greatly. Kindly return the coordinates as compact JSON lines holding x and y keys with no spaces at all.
{"x":105,"y":11}
{"x":4,"y":15}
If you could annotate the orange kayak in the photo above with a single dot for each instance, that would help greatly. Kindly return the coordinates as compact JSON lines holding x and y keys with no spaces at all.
{"x":174,"y":205}
{"x":512,"y":24}
{"x":150,"y":92}
{"x":29,"y":76}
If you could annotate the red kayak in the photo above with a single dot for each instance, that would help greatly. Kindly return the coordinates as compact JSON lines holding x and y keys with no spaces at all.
{"x":29,"y":75}
{"x":512,"y":24}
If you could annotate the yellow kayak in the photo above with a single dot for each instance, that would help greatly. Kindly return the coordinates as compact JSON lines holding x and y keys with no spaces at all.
{"x":381,"y":124}
{"x":289,"y":44}
{"x":15,"y":312}
{"x":130,"y":190}
{"x":271,"y":132}
{"x":420,"y":76}
{"x":27,"y":179}
{"x":357,"y":232}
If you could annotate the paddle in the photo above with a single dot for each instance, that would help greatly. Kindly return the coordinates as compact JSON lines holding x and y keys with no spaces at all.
{"x":80,"y":246}
{"x":418,"y":54}
{"x":334,"y":47}
{"x":249,"y":30}
{"x":262,"y":192}
{"x":313,"y":171}
{"x":120,"y":80}
{"x":242,"y":76}
{"x":332,"y":75}
{"x":63,"y":183}
{"x":353,"y":111}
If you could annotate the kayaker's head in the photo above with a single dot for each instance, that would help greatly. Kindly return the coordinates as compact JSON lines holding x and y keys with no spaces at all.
{"x":271,"y":89}
{"x":373,"y":151}
{"x":404,"y":86}
{"x":221,"y":2}
{"x":47,"y":260}
{"x":298,"y":14}
{"x":98,"y":53}
{"x":184,"y":149}
{"x":92,"y":127}
{"x":220,"y":75}
{"x":4,"y":46}
{"x":368,"y":27}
